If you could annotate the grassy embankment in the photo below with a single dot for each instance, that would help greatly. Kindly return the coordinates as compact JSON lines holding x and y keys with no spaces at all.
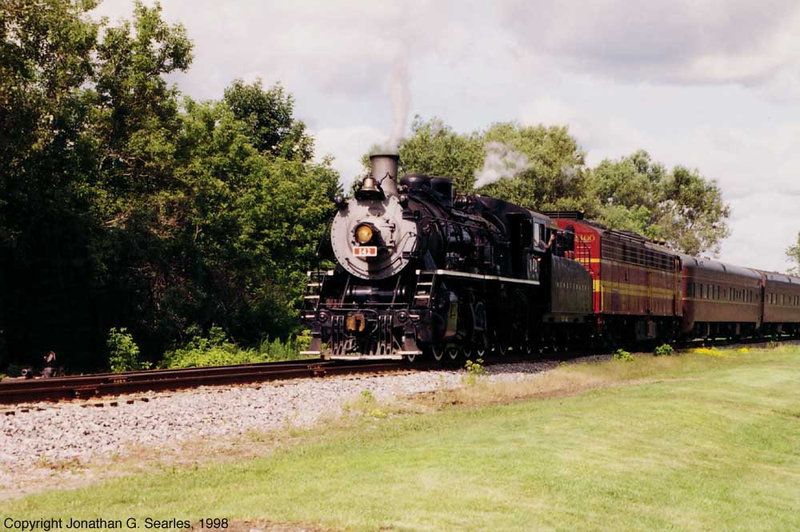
{"x":692,"y":441}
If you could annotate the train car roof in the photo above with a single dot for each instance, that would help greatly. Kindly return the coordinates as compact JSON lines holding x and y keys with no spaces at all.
{"x":703,"y":263}
{"x":779,"y":277}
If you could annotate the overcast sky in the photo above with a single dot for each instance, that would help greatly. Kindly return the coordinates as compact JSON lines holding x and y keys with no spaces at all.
{"x":710,"y":84}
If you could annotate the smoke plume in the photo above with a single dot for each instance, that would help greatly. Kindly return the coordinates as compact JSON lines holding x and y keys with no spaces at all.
{"x":500,"y":162}
{"x":400,"y":94}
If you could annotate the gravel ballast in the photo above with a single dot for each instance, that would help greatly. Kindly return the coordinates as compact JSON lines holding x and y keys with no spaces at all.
{"x":78,"y":432}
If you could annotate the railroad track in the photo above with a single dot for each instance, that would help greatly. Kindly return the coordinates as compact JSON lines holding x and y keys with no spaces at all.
{"x":104,"y":384}
{"x":88,"y":386}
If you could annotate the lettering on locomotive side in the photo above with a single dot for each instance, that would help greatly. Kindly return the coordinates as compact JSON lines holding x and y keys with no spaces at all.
{"x":585,"y":237}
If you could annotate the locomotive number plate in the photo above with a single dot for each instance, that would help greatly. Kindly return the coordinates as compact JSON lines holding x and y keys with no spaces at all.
{"x":365,"y":251}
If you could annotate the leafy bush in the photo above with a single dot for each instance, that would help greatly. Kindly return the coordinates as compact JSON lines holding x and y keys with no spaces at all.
{"x":123,"y":353}
{"x":625,"y":356}
{"x":216,"y":349}
{"x":366,"y":404}
{"x":474,"y":369}
{"x":664,"y":350}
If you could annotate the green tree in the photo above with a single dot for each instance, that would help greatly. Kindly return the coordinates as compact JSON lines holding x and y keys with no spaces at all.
{"x":123,"y":353}
{"x":250,"y":223}
{"x":48,"y":166}
{"x":679,"y":206}
{"x":543,"y":168}
{"x":268,"y":115}
{"x":122,"y":204}
{"x":552,"y":176}
{"x":546,"y":174}
{"x":793,"y":252}
{"x":434,"y":148}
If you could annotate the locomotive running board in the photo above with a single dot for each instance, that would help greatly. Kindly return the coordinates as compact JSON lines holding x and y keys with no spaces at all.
{"x":369,"y":357}
{"x":478,"y":276}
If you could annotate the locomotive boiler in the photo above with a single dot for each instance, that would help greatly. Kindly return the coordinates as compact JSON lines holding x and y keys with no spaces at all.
{"x":420,"y":270}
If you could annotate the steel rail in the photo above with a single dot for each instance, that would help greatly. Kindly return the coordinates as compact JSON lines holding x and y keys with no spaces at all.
{"x":87,"y":386}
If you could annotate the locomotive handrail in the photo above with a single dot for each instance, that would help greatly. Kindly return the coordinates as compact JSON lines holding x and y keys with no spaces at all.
{"x":479,"y":276}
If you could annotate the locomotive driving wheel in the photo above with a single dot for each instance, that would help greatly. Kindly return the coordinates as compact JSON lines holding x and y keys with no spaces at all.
{"x":452,"y":353}
{"x":500,"y":348}
{"x":527,"y":348}
{"x":437,"y":352}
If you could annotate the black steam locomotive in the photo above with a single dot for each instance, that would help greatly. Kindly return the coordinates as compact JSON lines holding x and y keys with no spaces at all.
{"x":420,"y":270}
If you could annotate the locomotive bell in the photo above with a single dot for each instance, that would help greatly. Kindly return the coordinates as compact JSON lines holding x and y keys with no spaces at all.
{"x":369,"y":190}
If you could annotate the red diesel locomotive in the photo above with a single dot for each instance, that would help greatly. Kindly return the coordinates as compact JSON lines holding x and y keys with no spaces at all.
{"x":644,"y":291}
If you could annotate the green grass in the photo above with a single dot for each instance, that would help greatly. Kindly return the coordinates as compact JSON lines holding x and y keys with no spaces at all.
{"x":690,"y":442}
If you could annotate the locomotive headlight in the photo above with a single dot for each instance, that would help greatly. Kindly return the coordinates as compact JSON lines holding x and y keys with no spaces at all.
{"x":364,"y":233}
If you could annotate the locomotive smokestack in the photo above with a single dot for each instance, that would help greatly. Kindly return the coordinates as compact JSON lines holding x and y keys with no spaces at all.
{"x":384,"y":171}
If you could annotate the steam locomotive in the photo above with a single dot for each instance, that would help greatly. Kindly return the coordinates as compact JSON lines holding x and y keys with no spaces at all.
{"x":422,"y":271}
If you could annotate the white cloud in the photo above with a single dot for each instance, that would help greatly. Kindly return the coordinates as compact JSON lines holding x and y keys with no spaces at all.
{"x":712,"y":85}
{"x":347,"y":146}
{"x":674,"y":41}
{"x":601,"y":135}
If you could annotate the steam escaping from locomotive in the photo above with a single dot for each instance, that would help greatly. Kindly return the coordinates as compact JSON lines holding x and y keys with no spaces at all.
{"x":501,"y":162}
{"x":400,"y":94}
